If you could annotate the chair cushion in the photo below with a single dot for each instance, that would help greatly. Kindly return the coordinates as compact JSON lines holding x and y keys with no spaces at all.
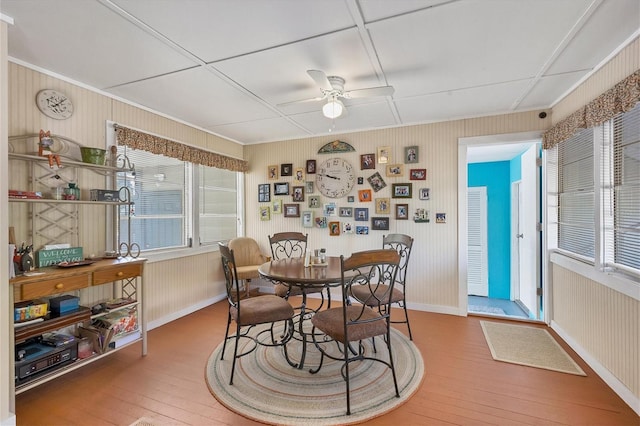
{"x":262,"y":309}
{"x":247,"y":272}
{"x":282,"y":290}
{"x":363,"y":294}
{"x":246,"y":252}
{"x":331,"y":323}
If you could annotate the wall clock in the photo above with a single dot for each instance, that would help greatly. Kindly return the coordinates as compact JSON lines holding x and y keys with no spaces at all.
{"x":54,"y":104}
{"x":335,"y":177}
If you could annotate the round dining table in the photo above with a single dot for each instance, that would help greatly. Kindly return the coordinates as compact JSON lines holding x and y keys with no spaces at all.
{"x":293,"y":273}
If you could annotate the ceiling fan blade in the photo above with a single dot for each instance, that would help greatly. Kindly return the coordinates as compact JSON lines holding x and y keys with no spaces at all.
{"x":369,"y":92}
{"x":321,"y":79}
{"x":301,"y":101}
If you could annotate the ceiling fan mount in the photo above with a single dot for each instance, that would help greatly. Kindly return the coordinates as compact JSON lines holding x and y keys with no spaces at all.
{"x":332,"y":90}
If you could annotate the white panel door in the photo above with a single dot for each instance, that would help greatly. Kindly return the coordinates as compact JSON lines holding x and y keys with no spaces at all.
{"x":477,"y":268}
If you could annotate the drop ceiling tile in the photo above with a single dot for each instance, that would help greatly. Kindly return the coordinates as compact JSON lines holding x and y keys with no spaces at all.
{"x":86,"y":41}
{"x":273,"y":129}
{"x":220,"y":29}
{"x":549,"y":89}
{"x":196,"y":96}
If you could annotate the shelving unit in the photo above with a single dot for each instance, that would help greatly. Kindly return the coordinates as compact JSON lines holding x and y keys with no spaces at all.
{"x":58,"y":221}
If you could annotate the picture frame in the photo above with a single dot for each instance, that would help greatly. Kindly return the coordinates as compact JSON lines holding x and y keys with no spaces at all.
{"x":395,"y":170}
{"x":417,"y":174}
{"x":311,"y":167}
{"x":272,"y":172}
{"x":321,"y":222}
{"x":265,"y":213}
{"x":334,"y":229}
{"x":441,"y":218}
{"x":299,"y":175}
{"x":307,"y":219}
{"x":276,"y":207}
{"x":361,"y":214}
{"x":314,"y":202}
{"x":384,"y":154}
{"x":362,"y":230}
{"x":360,"y":180}
{"x":376,"y":182}
{"x":380,"y":223}
{"x":401,"y":190}
{"x":424,"y":193}
{"x":264,"y":193}
{"x":351,"y":199}
{"x":297,"y":193}
{"x":364,"y":195}
{"x":330,"y":209}
{"x":367,"y":161}
{"x":286,"y":169}
{"x":308,"y":187}
{"x":281,"y":188}
{"x":346,"y":212}
{"x":291,"y":210}
{"x":402,"y":211}
{"x":411,"y":154}
{"x":347,"y":228}
{"x":383,"y":206}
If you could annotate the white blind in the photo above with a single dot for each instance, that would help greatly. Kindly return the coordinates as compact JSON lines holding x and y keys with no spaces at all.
{"x":160,"y":214}
{"x":218,"y":209}
{"x":626,"y":190}
{"x":576,"y":219}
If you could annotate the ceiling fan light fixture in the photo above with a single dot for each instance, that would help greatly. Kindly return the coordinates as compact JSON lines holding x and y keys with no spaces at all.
{"x":333,"y":108}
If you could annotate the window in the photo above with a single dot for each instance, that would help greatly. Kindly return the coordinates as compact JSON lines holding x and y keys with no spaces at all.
{"x":594,"y":194}
{"x":167,"y":213}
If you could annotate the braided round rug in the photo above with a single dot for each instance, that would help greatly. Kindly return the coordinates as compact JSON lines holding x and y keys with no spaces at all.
{"x":267,"y":389}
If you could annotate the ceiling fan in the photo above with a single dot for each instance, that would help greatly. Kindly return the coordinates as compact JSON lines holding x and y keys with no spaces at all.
{"x":332,"y":89}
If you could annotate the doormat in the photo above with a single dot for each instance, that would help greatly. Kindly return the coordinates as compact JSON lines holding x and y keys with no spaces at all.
{"x":486,"y":309}
{"x":530,"y":346}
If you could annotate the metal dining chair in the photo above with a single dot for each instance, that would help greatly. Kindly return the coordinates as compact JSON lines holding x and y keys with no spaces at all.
{"x":351,"y":323}
{"x":251,"y":312}
{"x":402,"y":244}
{"x":287,"y":245}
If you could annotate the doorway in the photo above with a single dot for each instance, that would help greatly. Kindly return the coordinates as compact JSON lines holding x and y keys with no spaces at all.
{"x":508,"y":170}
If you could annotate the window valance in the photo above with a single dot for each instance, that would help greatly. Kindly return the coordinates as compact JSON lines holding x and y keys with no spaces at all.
{"x":157,"y":145}
{"x":620,"y":98}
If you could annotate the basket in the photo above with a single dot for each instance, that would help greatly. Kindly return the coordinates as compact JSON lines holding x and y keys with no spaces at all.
{"x":93,"y":155}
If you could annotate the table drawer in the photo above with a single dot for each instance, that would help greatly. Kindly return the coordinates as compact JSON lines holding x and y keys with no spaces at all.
{"x":54,"y":286}
{"x":117,"y":272}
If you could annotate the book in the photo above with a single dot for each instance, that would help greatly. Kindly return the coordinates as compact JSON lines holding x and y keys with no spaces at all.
{"x":125,"y":339}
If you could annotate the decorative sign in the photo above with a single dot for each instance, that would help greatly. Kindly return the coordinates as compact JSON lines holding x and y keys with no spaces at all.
{"x":55,"y":256}
{"x":336,"y":146}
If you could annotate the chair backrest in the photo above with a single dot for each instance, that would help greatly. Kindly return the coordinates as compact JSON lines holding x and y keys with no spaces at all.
{"x":402,"y":244}
{"x":375,"y":269}
{"x":246,"y":251}
{"x":230,"y":274}
{"x":287,"y":245}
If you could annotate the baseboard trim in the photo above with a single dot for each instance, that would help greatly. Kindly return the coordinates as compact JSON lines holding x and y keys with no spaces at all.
{"x":614,"y":383}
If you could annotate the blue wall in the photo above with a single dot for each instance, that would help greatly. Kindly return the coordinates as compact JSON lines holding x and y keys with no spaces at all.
{"x":497,"y":177}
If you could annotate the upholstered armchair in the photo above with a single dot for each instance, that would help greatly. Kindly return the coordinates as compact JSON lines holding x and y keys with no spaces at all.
{"x":248,"y":258}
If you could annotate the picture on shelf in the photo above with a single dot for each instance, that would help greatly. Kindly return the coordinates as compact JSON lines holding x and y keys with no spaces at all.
{"x":362,"y":230}
{"x":264,"y":193}
{"x":424,"y":193}
{"x":441,"y":218}
{"x":314,"y":202}
{"x":276,"y":207}
{"x":330,"y":209}
{"x":299,"y":175}
{"x":265,"y":213}
{"x":346,"y":212}
{"x":298,"y":193}
{"x":311,"y":167}
{"x":347,"y":228}
{"x":395,"y":170}
{"x":321,"y":222}
{"x":364,"y":195}
{"x":351,"y":199}
{"x":307,"y":219}
{"x":281,"y":188}
{"x":308,"y":187}
{"x":384,"y":154}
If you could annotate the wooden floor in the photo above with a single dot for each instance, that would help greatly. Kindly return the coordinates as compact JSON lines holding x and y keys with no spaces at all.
{"x":463,"y":385}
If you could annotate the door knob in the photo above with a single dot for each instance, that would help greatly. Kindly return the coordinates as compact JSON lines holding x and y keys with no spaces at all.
{"x":520,"y":236}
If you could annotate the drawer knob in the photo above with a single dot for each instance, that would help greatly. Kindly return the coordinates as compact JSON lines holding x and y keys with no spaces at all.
{"x":59,"y":286}
{"x":119,"y":274}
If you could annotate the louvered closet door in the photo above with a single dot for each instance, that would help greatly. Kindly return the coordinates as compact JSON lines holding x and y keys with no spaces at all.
{"x":477,"y":268}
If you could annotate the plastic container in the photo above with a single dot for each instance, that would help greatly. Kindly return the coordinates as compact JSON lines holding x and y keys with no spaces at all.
{"x":72,"y":192}
{"x":93,"y":155}
{"x":85,"y":349}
